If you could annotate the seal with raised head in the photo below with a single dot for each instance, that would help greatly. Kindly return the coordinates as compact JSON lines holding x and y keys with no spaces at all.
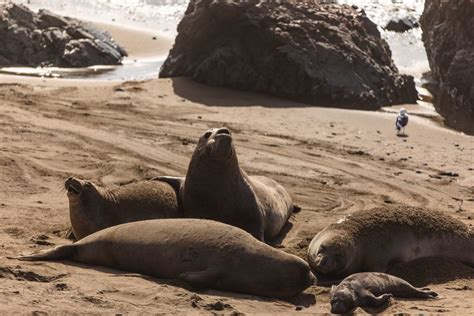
{"x":374,"y":240}
{"x":215,"y":187}
{"x":372,"y":289}
{"x":92,"y":208}
{"x":203,"y":253}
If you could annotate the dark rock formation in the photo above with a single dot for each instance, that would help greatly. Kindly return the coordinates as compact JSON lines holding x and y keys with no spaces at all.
{"x":327,"y":55}
{"x":449,"y":41}
{"x":46,"y":39}
{"x":402,"y":24}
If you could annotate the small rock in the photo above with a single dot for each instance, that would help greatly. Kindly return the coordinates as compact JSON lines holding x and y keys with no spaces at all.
{"x":61,"y":286}
{"x":402,"y":24}
{"x":448,"y":174}
{"x":299,"y":308}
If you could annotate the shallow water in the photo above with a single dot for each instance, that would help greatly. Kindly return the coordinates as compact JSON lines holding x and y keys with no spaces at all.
{"x":163,"y":17}
{"x":130,"y":70}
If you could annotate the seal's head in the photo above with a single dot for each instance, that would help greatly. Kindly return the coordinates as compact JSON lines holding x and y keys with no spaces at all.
{"x":342,"y":300}
{"x":331,"y":253}
{"x":216,"y":144}
{"x":78,"y":190}
{"x":86,"y":202}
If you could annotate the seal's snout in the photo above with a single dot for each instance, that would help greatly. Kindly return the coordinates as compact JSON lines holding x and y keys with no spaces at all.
{"x":322,"y":264}
{"x":73,"y":186}
{"x":223,"y":131}
{"x":221,"y":144}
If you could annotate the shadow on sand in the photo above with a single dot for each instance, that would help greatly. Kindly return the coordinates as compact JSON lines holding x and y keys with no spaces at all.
{"x":216,"y":96}
{"x":302,"y":299}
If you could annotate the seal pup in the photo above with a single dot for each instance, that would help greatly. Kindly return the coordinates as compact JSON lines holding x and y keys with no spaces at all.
{"x":203,"y":253}
{"x":372,"y":289}
{"x":92,"y":208}
{"x":374,"y":240}
{"x":215,"y":187}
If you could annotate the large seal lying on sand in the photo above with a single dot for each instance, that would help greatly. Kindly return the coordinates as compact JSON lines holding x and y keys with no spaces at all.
{"x":375,"y":239}
{"x":216,"y":188}
{"x":372,"y":289}
{"x":203,"y":253}
{"x":92,"y":208}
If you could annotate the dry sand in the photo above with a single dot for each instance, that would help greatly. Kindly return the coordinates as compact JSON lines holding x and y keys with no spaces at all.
{"x":333,"y":162}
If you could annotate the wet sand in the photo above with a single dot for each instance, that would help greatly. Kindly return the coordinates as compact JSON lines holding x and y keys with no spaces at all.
{"x":333,"y":162}
{"x":139,"y":43}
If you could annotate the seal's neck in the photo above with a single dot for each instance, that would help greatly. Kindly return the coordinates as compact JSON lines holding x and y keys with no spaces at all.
{"x":207,"y":173}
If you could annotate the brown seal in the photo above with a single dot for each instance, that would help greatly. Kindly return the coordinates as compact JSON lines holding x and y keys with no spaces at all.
{"x":373,"y":240}
{"x":92,"y":208}
{"x":217,"y":188}
{"x":372,"y":289}
{"x":203,"y":253}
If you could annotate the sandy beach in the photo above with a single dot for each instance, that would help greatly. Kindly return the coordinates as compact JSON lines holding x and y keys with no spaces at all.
{"x":333,"y":162}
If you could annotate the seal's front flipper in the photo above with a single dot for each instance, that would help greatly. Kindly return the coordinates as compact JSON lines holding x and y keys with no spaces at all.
{"x":57,"y":253}
{"x":369,"y":300}
{"x":200,"y":279}
{"x":70,"y":235}
{"x":175,"y":182}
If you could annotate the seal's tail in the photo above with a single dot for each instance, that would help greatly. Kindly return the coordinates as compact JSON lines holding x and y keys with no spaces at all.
{"x":60,"y":252}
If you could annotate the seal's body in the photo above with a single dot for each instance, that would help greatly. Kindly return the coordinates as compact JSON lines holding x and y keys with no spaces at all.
{"x":373,"y":240}
{"x":92,"y":208}
{"x":203,"y":253}
{"x":372,"y":289}
{"x":215,"y":187}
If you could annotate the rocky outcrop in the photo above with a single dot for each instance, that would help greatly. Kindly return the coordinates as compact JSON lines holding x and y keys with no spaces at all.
{"x":326,"y":55}
{"x":401,"y":25}
{"x":449,"y":41}
{"x":46,"y":39}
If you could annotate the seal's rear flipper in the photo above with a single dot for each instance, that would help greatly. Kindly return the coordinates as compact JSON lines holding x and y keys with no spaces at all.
{"x":426,"y":293}
{"x":296,"y":208}
{"x":200,"y":279}
{"x":60,"y":252}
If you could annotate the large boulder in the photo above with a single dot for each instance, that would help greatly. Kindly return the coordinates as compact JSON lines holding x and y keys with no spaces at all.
{"x":326,"y":55}
{"x":46,"y":39}
{"x":448,"y":35}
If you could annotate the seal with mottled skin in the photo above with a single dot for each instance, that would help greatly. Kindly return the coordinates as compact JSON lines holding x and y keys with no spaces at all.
{"x":215,"y":187}
{"x":92,"y":208}
{"x":374,"y":240}
{"x":203,"y":253}
{"x":372,"y":289}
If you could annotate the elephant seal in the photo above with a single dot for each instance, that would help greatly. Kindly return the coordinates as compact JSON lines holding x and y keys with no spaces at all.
{"x":92,"y":208}
{"x":372,"y":289}
{"x":203,"y":253}
{"x":373,"y":240}
{"x":215,"y":187}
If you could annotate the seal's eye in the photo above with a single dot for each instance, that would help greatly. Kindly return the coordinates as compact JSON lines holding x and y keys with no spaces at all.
{"x":207,"y":135}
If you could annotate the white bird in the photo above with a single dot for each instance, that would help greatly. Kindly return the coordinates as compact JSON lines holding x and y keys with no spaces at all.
{"x":402,"y":121}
